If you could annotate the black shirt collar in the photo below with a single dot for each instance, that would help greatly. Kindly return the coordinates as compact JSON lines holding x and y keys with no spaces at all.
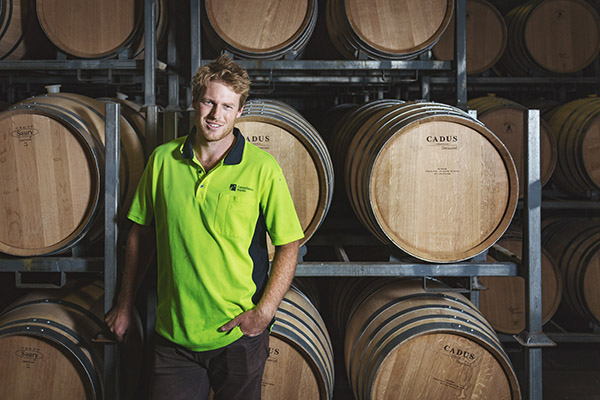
{"x":234,"y":156}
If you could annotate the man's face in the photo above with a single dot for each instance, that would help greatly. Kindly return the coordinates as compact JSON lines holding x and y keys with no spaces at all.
{"x":216,"y":111}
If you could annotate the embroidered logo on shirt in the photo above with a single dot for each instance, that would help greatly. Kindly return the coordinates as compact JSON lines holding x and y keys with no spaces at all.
{"x":237,"y":188}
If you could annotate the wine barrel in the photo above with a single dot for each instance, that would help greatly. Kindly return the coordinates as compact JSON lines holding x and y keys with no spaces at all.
{"x":503,"y":302}
{"x":577,"y":128}
{"x":392,"y":30}
{"x":47,"y":349}
{"x":300,"y":151}
{"x":507,"y":119}
{"x":300,"y":364}
{"x":329,"y":123}
{"x":52,"y":172}
{"x":407,"y":343}
{"x":575,"y":245}
{"x":91,"y":29}
{"x":349,"y":293}
{"x":551,"y":37}
{"x":133,"y":113}
{"x":431,"y":180}
{"x":266,"y":30}
{"x":310,"y":287}
{"x":20,"y":34}
{"x":546,"y":106}
{"x":348,"y":124}
{"x":486,"y":35}
{"x":161,"y":18}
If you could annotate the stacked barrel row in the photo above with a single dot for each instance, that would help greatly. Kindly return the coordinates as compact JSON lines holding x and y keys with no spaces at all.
{"x":421,"y":333}
{"x":545,"y":36}
{"x":53,"y":171}
{"x":403,"y":166}
{"x":52,"y":334}
{"x":569,"y":139}
{"x":401,"y":337}
{"x":549,"y":37}
{"x":50,"y":209}
{"x":91,"y":30}
{"x":570,"y":272}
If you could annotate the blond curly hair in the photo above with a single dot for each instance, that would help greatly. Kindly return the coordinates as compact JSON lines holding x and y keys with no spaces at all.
{"x":222,"y":69}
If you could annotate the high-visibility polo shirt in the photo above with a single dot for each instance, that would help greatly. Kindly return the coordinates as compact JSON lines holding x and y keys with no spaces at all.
{"x":211,"y":235}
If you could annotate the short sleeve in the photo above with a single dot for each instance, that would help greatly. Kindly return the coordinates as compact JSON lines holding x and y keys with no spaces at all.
{"x":280,"y":214}
{"x":142,"y":206}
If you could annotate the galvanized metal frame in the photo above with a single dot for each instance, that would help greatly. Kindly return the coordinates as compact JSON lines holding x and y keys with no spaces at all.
{"x":533,"y":338}
{"x":111,"y":237}
{"x":400,"y":269}
{"x":460,"y":56}
{"x":21,"y":65}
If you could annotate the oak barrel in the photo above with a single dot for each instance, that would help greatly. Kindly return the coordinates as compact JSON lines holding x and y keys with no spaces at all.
{"x":90,"y":29}
{"x":551,"y":37}
{"x":575,"y":244}
{"x":431,"y":180}
{"x":507,"y":118}
{"x":389,"y":29}
{"x":349,"y":293}
{"x":486,"y":35}
{"x":47,"y":350}
{"x":300,"y":151}
{"x":577,"y":128}
{"x":20,"y":34}
{"x":161,"y":18}
{"x":343,"y":131}
{"x":133,"y":112}
{"x":52,"y":172}
{"x":546,"y":106}
{"x":310,"y":287}
{"x":405,"y":342}
{"x":269,"y":29}
{"x":503,"y":301}
{"x":300,"y":364}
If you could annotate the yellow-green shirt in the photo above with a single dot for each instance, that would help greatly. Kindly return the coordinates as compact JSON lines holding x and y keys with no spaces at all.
{"x":211,"y":235}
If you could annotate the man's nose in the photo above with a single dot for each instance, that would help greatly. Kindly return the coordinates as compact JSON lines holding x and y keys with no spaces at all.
{"x":216,"y":111}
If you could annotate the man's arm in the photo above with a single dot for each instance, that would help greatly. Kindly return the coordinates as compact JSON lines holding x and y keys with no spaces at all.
{"x":254,"y":322}
{"x":138,"y":255}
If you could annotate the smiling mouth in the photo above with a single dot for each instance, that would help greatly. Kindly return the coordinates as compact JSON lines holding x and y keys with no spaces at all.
{"x":213,"y":125}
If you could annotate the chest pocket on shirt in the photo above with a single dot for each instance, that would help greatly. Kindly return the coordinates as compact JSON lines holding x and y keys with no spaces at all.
{"x":236,"y":215}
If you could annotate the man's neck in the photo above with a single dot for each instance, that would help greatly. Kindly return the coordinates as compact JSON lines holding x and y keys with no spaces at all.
{"x":209,"y":154}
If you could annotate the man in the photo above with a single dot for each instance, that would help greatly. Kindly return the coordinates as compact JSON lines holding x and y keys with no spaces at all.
{"x":211,"y":197}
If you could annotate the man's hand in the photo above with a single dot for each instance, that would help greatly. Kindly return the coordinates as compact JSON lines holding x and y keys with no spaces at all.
{"x":138,"y":256}
{"x":119,"y":319}
{"x":252,"y":322}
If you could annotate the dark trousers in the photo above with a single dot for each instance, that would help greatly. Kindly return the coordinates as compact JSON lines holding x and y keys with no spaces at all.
{"x":234,"y":372}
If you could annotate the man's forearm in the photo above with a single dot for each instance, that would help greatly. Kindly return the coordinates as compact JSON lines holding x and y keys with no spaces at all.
{"x":283,"y":269}
{"x":138,"y":256}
